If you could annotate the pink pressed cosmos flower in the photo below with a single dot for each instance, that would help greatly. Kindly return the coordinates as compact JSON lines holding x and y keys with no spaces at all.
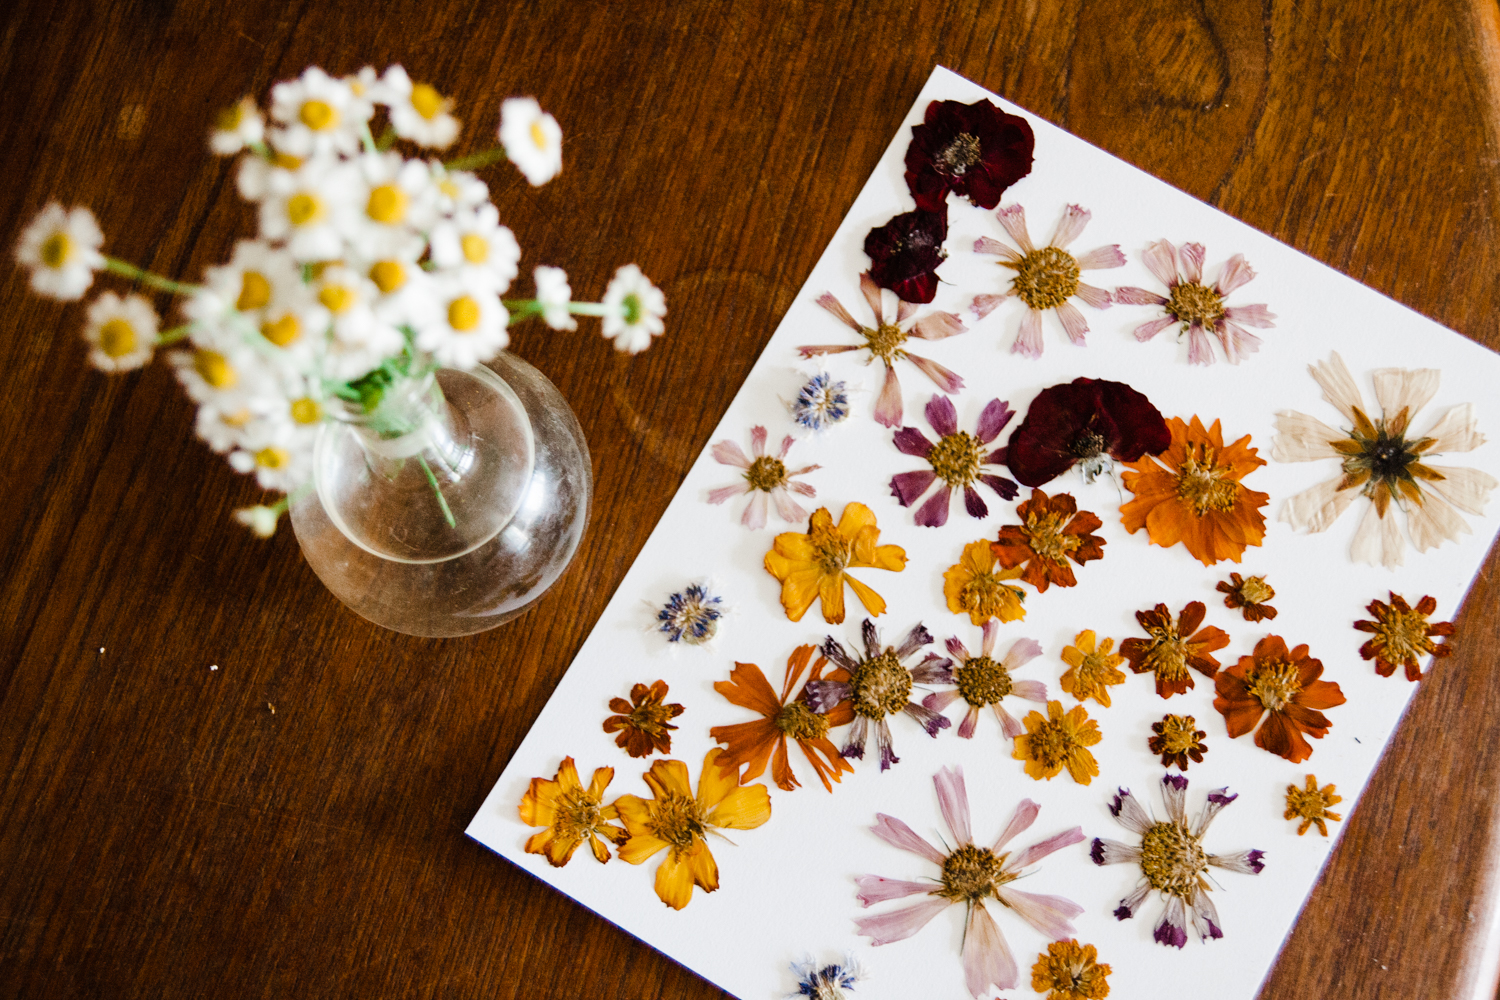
{"x":982,"y":680}
{"x":764,"y":476}
{"x":958,"y":459}
{"x":1047,"y":277}
{"x":969,"y":874}
{"x":885,"y":342}
{"x":1198,"y":308}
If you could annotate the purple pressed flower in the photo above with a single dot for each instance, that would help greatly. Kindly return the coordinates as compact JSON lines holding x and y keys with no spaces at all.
{"x":1172,"y":860}
{"x":906,"y":252}
{"x":958,"y":459}
{"x":764,"y":476}
{"x":975,"y":150}
{"x":1197,"y":308}
{"x":1085,"y":422}
{"x":970,"y":874}
{"x":885,"y":340}
{"x":826,"y":982}
{"x":876,"y":686}
{"x":981,"y":680}
{"x":1047,"y":277}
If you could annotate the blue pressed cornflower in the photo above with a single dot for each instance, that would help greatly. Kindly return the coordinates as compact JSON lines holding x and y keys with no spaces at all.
{"x":828,"y":982}
{"x":691,"y":616}
{"x":822,"y":402}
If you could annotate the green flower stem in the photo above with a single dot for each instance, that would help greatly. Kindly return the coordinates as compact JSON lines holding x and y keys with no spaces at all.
{"x":521,"y":309}
{"x":387,"y":139}
{"x":261,"y":150}
{"x":115,"y":265}
{"x":587,"y":309}
{"x":172,"y":336}
{"x":280,"y":506}
{"x":476,"y":160}
{"x":442,"y":500}
{"x":366,"y":139}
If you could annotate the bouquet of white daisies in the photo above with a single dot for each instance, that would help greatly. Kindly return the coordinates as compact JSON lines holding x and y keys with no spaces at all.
{"x":371,"y":268}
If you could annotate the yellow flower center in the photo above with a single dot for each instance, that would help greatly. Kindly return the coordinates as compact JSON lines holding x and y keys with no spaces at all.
{"x":448,"y":188}
{"x":318,"y":115}
{"x":677,"y":820}
{"x":1179,"y":734}
{"x":388,"y":275}
{"x":215,"y":369}
{"x":578,"y":815}
{"x":1273,"y":684}
{"x":989,"y":596}
{"x":286,"y":161}
{"x":273,"y":458}
{"x":880,"y":686}
{"x":337,"y":298}
{"x":831,"y":550}
{"x":427,"y":101}
{"x":956,"y":458}
{"x":1046,"y":278}
{"x":387,"y":204}
{"x":1204,"y":485}
{"x":302,"y":208}
{"x":1193,"y":302}
{"x":885,"y":341}
{"x":766,"y":473}
{"x":463,"y":314}
{"x":56,"y":249}
{"x":982,"y":681}
{"x":1404,"y":635}
{"x":255,"y":291}
{"x":1053,"y":742}
{"x":1044,"y":533}
{"x":1167,"y":655}
{"x":117,"y":338}
{"x":1172,"y":860}
{"x":538,"y":135}
{"x":306,"y":410}
{"x":229,"y":119}
{"x":239,"y":418}
{"x":971,"y":873}
{"x":800,"y":722}
{"x":476,"y":248}
{"x":282,"y":332}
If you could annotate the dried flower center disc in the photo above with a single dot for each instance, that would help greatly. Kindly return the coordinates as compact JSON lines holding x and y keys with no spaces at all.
{"x":1274,"y":684}
{"x":1255,"y":590}
{"x":650,"y":717}
{"x":982,"y":681}
{"x":881,"y":686}
{"x":1046,"y":278}
{"x":766,"y":473}
{"x":1167,"y":656}
{"x":885,"y":341}
{"x":1178,"y":734}
{"x":1194,"y":302}
{"x":1306,"y":803}
{"x":959,"y":155}
{"x":677,"y":820}
{"x":1404,"y":635}
{"x":1052,"y":742}
{"x":1380,"y":458}
{"x":1172,"y":860}
{"x":956,"y":458}
{"x":971,"y":873}
{"x":832,"y":550}
{"x":1204,"y":485}
{"x":1045,"y":535}
{"x":577,"y":814}
{"x":986,"y":595}
{"x":800,"y":722}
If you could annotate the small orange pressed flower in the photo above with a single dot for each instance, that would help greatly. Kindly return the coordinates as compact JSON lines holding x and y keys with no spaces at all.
{"x":1283,"y":686}
{"x":1057,"y":741}
{"x":811,"y":567}
{"x":753,"y":743}
{"x":1402,"y":635}
{"x":1310,"y":805}
{"x":1092,"y":669}
{"x":642,"y":721}
{"x":1070,"y":971}
{"x":1177,"y":741}
{"x":976,"y":586}
{"x":1174,"y":646}
{"x":1052,"y":531}
{"x":1249,"y":595}
{"x":1192,"y":494}
{"x":571,"y":814}
{"x":677,"y":821}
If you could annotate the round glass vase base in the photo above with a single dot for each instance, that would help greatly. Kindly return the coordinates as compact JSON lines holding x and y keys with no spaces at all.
{"x":511,"y":463}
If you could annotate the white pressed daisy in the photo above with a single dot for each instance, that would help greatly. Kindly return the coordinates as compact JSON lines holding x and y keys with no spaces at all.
{"x":418,"y":111}
{"x":633,"y":308}
{"x":389,"y":206}
{"x":553,"y":295}
{"x":122,"y":332}
{"x":237,"y":126}
{"x":319,"y":115}
{"x":302,"y":207}
{"x":475,"y":245}
{"x":346,"y":304}
{"x":275,"y":456}
{"x":468,"y":327}
{"x":61,"y":249}
{"x":456,"y":189}
{"x":532,"y":139}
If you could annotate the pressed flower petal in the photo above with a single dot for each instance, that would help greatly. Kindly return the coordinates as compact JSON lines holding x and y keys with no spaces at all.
{"x":1131,"y":903}
{"x":1434,"y":522}
{"x":908,"y":487}
{"x":987,"y":958}
{"x":983,"y":305}
{"x":934,"y":513}
{"x":1200,"y":352}
{"x":939,"y":701}
{"x":1052,"y":915}
{"x":1029,"y":337}
{"x":992,"y":246}
{"x":744,"y":808}
{"x":1013,"y":220}
{"x":970,"y":724}
{"x":833,"y":305}
{"x":1467,"y":489}
{"x":1129,"y":295}
{"x":942,"y":415}
{"x":1030,"y":691}
{"x":1160,"y":259}
{"x":755,"y":512}
{"x":1006,"y":488}
{"x":1096,"y":297}
{"x":1041,"y":849}
{"x":1378,"y":540}
{"x":1173,"y":793}
{"x":1409,"y":389}
{"x":1244,"y":862}
{"x":1301,"y":438}
{"x":1205,"y":916}
{"x":911,"y":441}
{"x":1074,"y":325}
{"x":942,"y":377}
{"x":730,"y":453}
{"x":953,"y":803}
{"x":898,"y":925}
{"x":1315,"y":509}
{"x":1073,"y":221}
{"x":898,"y":834}
{"x":1112,"y":852}
{"x":1458,"y":430}
{"x":1237,"y":273}
{"x":1151,"y":328}
{"x":888,"y":403}
{"x":938,"y":325}
{"x":1010,"y":726}
{"x":992,"y":420}
{"x":722,"y":493}
{"x":1021,"y":652}
{"x":1238,"y":342}
{"x":787,"y":509}
{"x":875,"y":889}
{"x":1020,"y":822}
{"x":1257,"y":316}
{"x":1101,"y":259}
{"x":871,"y":291}
{"x":973,"y":503}
{"x":929,"y":720}
{"x":1337,"y":384}
{"x":1171,"y":930}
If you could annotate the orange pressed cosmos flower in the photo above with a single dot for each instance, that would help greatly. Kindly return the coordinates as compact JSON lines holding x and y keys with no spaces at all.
{"x":1283,"y":686}
{"x":1192,"y":494}
{"x":1092,"y":668}
{"x":1052,"y":531}
{"x":812,"y":567}
{"x":753,"y":743}
{"x":1070,"y":971}
{"x":1057,"y":741}
{"x":571,"y":814}
{"x":1174,"y":646}
{"x":642,"y":721}
{"x":976,"y":586}
{"x":1402,"y":635}
{"x":677,"y":821}
{"x":1310,"y":805}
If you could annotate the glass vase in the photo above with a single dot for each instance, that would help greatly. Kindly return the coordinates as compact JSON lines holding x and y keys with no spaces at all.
{"x":453,"y":505}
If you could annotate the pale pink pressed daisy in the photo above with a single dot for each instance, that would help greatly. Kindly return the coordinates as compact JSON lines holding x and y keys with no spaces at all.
{"x":985,"y":681}
{"x":885,"y":340}
{"x":1047,"y":277}
{"x":969,"y":874}
{"x":1197,"y":308}
{"x":765,"y":476}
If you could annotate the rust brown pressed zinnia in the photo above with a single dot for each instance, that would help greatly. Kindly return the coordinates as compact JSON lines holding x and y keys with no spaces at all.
{"x":1070,"y":971}
{"x":1250,"y":594}
{"x":1178,"y":740}
{"x":1052,"y":531}
{"x":1173,"y":646}
{"x":1282,"y":685}
{"x":642,"y":722}
{"x":1403,"y":635}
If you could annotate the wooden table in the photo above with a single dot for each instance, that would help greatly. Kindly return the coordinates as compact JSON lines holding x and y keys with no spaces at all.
{"x":221,"y":782}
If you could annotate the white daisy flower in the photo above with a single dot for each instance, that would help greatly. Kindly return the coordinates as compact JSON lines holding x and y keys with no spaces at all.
{"x":365,"y":86}
{"x":61,"y":249}
{"x":254,"y":176}
{"x":633,"y":308}
{"x":391,"y":206}
{"x":406,"y":296}
{"x":347,"y":360}
{"x":553,"y":295}
{"x":256,"y":276}
{"x":346,"y":301}
{"x":234,"y":378}
{"x":468,"y":327}
{"x":418,"y":111}
{"x":259,"y":519}
{"x":532,"y":139}
{"x":222,"y":427}
{"x":294,"y":421}
{"x":475,"y":245}
{"x":319,"y":115}
{"x":302,"y":207}
{"x":122,"y":332}
{"x":456,"y":189}
{"x":237,"y":126}
{"x":274,"y":456}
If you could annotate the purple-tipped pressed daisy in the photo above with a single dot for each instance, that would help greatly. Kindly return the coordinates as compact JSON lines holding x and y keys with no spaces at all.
{"x":958,"y":459}
{"x":885,"y":340}
{"x":1197,"y":308}
{"x":765,"y":476}
{"x":982,"y":680}
{"x":876,"y":686}
{"x":1172,"y":860}
{"x":906,"y":252}
{"x":1047,"y":277}
{"x":969,"y":874}
{"x":1085,"y":422}
{"x":975,"y":150}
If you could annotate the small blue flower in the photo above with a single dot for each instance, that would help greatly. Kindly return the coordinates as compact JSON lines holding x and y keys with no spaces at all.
{"x":691,"y":616}
{"x":821,"y":403}
{"x":828,"y":982}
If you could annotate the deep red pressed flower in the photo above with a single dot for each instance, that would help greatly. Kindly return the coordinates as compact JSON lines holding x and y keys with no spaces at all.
{"x":1085,"y":421}
{"x":975,"y":150}
{"x":905,"y":253}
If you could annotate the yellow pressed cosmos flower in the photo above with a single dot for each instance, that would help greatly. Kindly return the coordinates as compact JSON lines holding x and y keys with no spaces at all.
{"x":812,"y":567}
{"x":571,"y":814}
{"x":976,"y":586}
{"x":1057,"y":741}
{"x":1092,"y":668}
{"x":1070,"y":971}
{"x":678,"y":822}
{"x":1310,"y":805}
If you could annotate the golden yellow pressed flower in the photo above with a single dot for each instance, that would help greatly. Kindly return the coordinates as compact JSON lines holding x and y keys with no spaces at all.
{"x":1070,"y":971}
{"x":1092,"y":669}
{"x":678,"y":822}
{"x":1310,"y":805}
{"x":812,"y":567}
{"x":974,"y":587}
{"x":1057,"y":741}
{"x":571,"y":814}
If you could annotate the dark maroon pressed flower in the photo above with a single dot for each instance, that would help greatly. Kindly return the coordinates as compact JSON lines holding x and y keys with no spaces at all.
{"x":905,"y":253}
{"x":958,"y":459}
{"x":1085,"y":421}
{"x":975,"y":150}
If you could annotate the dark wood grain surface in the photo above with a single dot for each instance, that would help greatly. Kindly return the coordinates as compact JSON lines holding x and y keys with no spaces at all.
{"x":290,"y":823}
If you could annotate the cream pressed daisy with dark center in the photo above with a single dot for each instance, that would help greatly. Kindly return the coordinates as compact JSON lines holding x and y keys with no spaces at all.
{"x":1045,"y":278}
{"x":880,"y":686}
